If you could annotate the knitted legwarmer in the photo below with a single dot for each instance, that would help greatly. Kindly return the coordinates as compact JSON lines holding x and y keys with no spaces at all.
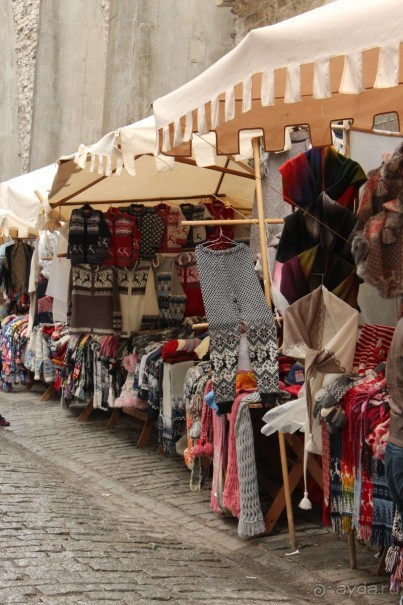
{"x":251,"y":521}
{"x":220,"y":429}
{"x":230,"y":497}
{"x":231,"y":494}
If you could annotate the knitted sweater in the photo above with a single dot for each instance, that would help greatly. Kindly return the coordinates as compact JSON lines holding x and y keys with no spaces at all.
{"x":378,"y":250}
{"x":93,"y":305}
{"x":138,"y":297}
{"x":125,"y":239}
{"x":150,"y":226}
{"x":89,"y":237}
{"x":175,"y":234}
{"x":195,"y":212}
{"x":188,"y":273}
{"x":394,"y":380}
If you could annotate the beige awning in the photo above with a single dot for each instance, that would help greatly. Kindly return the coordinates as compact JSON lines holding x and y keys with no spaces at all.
{"x":340,"y":61}
{"x":121,"y":168}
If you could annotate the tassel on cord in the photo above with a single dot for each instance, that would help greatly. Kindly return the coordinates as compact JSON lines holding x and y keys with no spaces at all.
{"x":305,"y":503}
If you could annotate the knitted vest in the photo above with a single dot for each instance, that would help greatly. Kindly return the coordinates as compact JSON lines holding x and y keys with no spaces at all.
{"x":89,"y":237}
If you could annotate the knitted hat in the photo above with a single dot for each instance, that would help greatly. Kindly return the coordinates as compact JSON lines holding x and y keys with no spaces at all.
{"x":296,"y":374}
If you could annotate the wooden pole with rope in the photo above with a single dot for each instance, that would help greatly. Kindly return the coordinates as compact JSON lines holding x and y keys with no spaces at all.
{"x":266,"y":282}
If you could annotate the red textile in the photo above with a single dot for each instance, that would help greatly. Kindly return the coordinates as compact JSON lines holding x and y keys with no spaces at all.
{"x":367,"y":354}
{"x":231,"y":497}
{"x":125,"y":239}
{"x":188,"y":274}
{"x":218,"y":210}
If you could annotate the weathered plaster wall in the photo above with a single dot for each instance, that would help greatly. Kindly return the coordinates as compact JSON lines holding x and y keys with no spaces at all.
{"x":154,"y":47}
{"x":75,"y":70}
{"x":69,"y":78}
{"x":10,"y":156}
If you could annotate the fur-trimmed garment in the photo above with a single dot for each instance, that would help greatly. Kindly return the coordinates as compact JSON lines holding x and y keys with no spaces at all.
{"x":384,"y":184}
{"x":378,"y":249}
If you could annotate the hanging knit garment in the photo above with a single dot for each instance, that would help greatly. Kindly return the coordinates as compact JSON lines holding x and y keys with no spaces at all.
{"x":326,"y":474}
{"x":394,"y":557}
{"x":195,"y":385}
{"x":171,"y":423}
{"x":203,"y":445}
{"x":251,"y":522}
{"x":335,"y":482}
{"x":128,"y":396}
{"x":383,"y":507}
{"x":231,"y":494}
{"x":370,"y":336}
{"x":365,"y":521}
{"x":220,"y":430}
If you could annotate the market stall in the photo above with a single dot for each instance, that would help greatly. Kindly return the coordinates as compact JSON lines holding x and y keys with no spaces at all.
{"x":332,"y":64}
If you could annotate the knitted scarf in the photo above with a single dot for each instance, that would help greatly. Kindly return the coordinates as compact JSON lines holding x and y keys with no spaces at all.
{"x":365,"y":521}
{"x":172,"y":421}
{"x":347,"y":469}
{"x":251,"y":522}
{"x":383,"y":507}
{"x":220,"y":428}
{"x":335,"y":482}
{"x":325,"y":473}
{"x":394,"y":557}
{"x":321,"y":169}
{"x":231,"y":495}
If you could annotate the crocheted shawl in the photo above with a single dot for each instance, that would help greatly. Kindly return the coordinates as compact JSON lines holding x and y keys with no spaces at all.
{"x":320,"y":330}
{"x":321,"y":169}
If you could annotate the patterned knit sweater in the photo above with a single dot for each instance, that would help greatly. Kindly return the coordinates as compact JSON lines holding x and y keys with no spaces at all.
{"x":125,"y":239}
{"x":89,"y":237}
{"x":94,"y":305}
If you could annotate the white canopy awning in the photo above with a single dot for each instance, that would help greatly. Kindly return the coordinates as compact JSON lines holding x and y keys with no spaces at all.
{"x":21,"y":211}
{"x":339,"y":61}
{"x":121,"y":168}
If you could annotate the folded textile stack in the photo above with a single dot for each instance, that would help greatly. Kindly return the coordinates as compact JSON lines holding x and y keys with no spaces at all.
{"x":175,"y":351}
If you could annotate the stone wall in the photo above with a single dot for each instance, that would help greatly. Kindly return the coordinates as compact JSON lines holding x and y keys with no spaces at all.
{"x":78,"y":69}
{"x":257,"y":13}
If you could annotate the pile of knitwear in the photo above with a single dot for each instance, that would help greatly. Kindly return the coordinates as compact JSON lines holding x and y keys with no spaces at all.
{"x":355,"y":416}
{"x":13,"y":340}
{"x":226,"y":440}
{"x":175,"y":351}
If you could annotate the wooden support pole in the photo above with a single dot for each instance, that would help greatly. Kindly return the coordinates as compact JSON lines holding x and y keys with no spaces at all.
{"x":382,"y":563}
{"x":266,"y":282}
{"x":235,"y":221}
{"x":86,"y":413}
{"x":48,"y":393}
{"x":352,"y":555}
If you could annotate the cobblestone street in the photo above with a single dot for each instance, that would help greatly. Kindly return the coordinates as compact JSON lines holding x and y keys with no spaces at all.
{"x":88,"y":518}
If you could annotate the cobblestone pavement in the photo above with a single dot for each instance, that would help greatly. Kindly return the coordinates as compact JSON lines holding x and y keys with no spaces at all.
{"x":88,"y":518}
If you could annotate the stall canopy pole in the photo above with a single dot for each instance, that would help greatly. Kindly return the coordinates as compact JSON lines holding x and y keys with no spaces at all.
{"x":266,"y":281}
